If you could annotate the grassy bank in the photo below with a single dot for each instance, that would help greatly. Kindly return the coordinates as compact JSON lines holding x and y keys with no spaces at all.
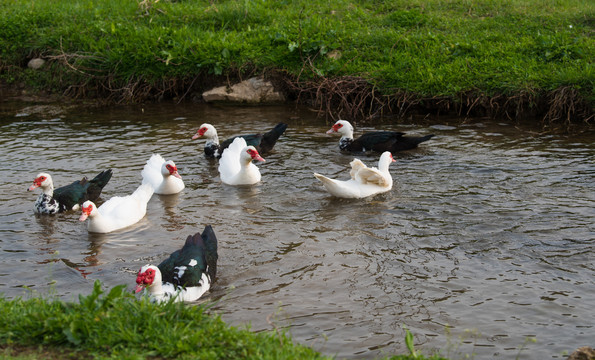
{"x":116,"y":325}
{"x":353,"y":58}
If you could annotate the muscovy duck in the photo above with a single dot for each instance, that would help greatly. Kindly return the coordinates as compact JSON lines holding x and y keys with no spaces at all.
{"x":236,"y":167}
{"x":162,"y":176}
{"x":118,"y":212}
{"x":67,"y":197}
{"x":378,"y":141}
{"x":187,"y":274}
{"x":263,"y":143}
{"x":364,"y":181}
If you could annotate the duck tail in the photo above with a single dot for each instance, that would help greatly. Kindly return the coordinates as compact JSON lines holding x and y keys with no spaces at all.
{"x":211,"y":256}
{"x":273,"y":135}
{"x":97,"y":184}
{"x":424,"y":138}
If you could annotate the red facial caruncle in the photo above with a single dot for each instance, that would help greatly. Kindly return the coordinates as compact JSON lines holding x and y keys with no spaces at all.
{"x":335,"y":128}
{"x":86,"y":212}
{"x":144,"y":279}
{"x":254,"y":154}
{"x":37,"y":182}
{"x":171,"y":168}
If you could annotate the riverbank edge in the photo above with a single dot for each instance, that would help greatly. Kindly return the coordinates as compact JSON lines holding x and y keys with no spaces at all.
{"x":349,"y":97}
{"x":99,"y":326}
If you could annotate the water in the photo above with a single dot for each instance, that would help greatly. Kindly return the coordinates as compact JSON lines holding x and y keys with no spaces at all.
{"x":486,"y":239}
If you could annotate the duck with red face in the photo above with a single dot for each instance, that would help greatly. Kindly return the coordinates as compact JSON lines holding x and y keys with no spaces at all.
{"x":162,"y":175}
{"x":67,"y":197}
{"x":186,"y":275}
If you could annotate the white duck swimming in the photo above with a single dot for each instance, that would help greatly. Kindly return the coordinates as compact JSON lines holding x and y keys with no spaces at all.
{"x":162,"y":176}
{"x":364,"y":181}
{"x":187,"y":274}
{"x":236,"y":167}
{"x":118,"y":212}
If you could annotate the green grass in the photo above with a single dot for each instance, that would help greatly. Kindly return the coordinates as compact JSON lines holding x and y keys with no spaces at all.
{"x":118,"y":326}
{"x":429,"y":48}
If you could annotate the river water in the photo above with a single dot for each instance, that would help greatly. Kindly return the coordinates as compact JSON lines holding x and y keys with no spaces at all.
{"x":485,"y":241}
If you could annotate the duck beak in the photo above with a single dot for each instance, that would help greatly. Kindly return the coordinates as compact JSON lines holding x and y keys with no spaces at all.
{"x":32,"y":187}
{"x":259,"y":158}
{"x":83,"y":217}
{"x":330,"y":131}
{"x":196,"y":136}
{"x":138,"y":289}
{"x":177,"y":175}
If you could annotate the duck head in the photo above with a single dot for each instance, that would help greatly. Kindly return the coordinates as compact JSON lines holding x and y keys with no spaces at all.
{"x":169,"y":168}
{"x":148,"y":277}
{"x":43,"y":181}
{"x":88,"y":209}
{"x":206,"y":130}
{"x":342,"y":127}
{"x":250,"y":153}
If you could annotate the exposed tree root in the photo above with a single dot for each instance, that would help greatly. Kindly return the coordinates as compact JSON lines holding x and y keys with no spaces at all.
{"x":349,"y":97}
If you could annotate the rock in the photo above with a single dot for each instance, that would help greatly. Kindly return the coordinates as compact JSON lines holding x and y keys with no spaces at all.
{"x":582,"y":353}
{"x":253,"y":91}
{"x":36,"y":63}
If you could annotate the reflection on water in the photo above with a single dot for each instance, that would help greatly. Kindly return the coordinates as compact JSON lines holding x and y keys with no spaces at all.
{"x":485,"y":239}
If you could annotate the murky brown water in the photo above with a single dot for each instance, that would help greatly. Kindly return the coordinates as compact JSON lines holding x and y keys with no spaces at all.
{"x":487,"y":237}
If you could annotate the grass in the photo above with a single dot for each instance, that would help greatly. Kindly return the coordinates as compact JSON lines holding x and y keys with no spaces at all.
{"x":115,"y":325}
{"x":417,"y":50}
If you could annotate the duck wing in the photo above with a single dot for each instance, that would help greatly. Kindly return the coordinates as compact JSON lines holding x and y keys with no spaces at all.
{"x":251,"y":140}
{"x":186,"y":266}
{"x":377,"y":140}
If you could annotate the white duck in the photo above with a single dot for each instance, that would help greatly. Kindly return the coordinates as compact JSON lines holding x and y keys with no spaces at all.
{"x":364,"y":181}
{"x":187,"y":274}
{"x":118,"y":212}
{"x":162,"y":176}
{"x":236,"y":167}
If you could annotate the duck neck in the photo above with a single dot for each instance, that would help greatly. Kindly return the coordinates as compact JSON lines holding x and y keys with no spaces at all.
{"x":213,"y":140}
{"x":344,"y":142}
{"x":48,"y":190}
{"x":156,"y":289}
{"x":384,"y":163}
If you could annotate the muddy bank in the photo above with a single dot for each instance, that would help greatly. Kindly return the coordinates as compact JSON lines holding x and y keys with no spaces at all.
{"x":351,"y":98}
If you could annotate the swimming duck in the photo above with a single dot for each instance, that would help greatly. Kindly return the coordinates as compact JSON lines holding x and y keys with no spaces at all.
{"x":263,"y":143}
{"x":378,"y":141}
{"x":187,"y":274}
{"x":364,"y":181}
{"x":67,"y":197}
{"x":236,"y":167}
{"x":162,"y":175}
{"x":118,"y":212}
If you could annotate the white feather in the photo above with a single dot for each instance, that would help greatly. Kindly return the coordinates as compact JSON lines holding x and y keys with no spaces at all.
{"x":364,"y":181}
{"x":158,"y":176}
{"x":119,"y":211}
{"x":236,"y":167}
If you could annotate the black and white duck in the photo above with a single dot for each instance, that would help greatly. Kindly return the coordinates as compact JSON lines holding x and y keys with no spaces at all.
{"x":68,"y":197}
{"x":187,"y":274}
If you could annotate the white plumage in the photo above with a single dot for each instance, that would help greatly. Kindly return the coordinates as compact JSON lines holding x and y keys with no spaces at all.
{"x":236,"y":167}
{"x":162,"y":176}
{"x":365,"y":181}
{"x":118,"y":212}
{"x":164,"y":291}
